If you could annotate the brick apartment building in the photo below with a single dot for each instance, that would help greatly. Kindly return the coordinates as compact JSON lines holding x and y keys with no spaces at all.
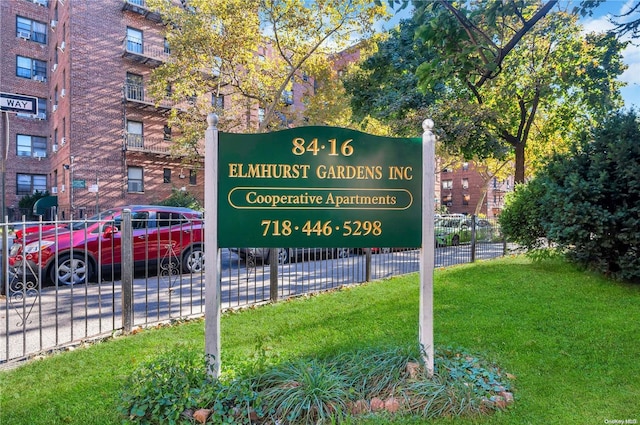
{"x":88,"y":63}
{"x":463,"y":188}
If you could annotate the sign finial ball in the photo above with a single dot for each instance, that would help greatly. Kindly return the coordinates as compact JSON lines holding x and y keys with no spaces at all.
{"x":427,"y":124}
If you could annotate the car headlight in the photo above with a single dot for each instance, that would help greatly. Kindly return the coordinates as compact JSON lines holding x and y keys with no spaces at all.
{"x":34,"y":247}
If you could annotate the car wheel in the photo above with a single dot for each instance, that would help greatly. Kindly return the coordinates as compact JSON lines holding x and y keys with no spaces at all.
{"x":455,"y":240}
{"x":342,"y":253}
{"x":193,"y":260}
{"x":71,"y":271}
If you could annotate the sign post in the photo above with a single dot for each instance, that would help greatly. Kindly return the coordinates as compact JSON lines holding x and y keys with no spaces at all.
{"x":13,"y":103}
{"x":427,"y":254}
{"x":211,"y":252}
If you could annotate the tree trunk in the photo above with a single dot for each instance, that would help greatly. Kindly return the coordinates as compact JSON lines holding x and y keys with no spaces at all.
{"x":519,"y":173}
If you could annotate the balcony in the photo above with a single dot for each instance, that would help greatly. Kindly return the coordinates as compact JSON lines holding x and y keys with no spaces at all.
{"x":134,"y":49}
{"x":137,"y":96}
{"x":140,"y":7}
{"x":140,"y":143}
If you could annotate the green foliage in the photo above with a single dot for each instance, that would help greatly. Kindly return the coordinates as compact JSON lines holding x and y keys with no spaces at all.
{"x":28,"y":201}
{"x":587,"y":202}
{"x":312,"y":391}
{"x":385,"y":85}
{"x":181,"y":198}
{"x":592,"y":197}
{"x":160,"y":390}
{"x":522,"y":215}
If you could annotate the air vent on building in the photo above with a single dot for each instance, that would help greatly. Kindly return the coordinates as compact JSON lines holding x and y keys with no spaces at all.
{"x":54,"y":67}
{"x":62,"y":188}
{"x":54,"y":24}
{"x":62,"y":46}
{"x":55,"y":107}
{"x":54,"y":148}
{"x":63,"y":93}
{"x":63,"y":141}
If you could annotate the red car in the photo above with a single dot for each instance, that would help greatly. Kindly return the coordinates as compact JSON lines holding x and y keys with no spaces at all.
{"x":163,"y":237}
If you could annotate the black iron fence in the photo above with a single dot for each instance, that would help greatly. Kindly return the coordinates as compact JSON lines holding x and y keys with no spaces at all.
{"x":113,"y":291}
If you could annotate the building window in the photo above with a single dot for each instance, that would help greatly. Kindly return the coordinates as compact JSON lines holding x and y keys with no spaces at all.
{"x":465,"y":183}
{"x":287,"y":97}
{"x":28,"y":184}
{"x":31,"y":146}
{"x":134,"y":87}
{"x":447,"y":184}
{"x":166,"y":175}
{"x":465,"y":199}
{"x":261,"y":113}
{"x":192,"y":177}
{"x":167,"y":132}
{"x":134,"y":134}
{"x":134,"y":40}
{"x":135,"y":179}
{"x":217,"y":101}
{"x":465,"y":166}
{"x":31,"y":68}
{"x":32,"y":30}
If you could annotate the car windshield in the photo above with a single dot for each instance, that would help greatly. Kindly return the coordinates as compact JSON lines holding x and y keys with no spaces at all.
{"x":82,"y":224}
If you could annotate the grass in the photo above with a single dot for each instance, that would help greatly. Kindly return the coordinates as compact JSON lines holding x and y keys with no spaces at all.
{"x":571,"y":339}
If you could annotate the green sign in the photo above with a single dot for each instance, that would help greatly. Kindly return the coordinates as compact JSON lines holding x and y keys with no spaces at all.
{"x":319,"y":187}
{"x":79,"y":184}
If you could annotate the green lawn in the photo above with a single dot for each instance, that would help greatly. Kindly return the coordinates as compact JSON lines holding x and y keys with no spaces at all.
{"x":571,"y":338}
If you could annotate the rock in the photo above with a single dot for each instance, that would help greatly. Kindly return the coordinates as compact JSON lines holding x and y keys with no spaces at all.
{"x":201,"y":415}
{"x":358,"y":407}
{"x":391,"y":405}
{"x":413,"y":369}
{"x":376,"y":404}
{"x":508,"y":397}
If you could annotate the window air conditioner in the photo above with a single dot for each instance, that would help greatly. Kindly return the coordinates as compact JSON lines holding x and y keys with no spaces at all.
{"x":63,"y":92}
{"x":62,"y":46}
{"x":38,"y":78}
{"x":54,"y":190}
{"x":54,"y":148}
{"x":54,"y":67}
{"x":41,"y":115}
{"x":24,"y":35}
{"x":55,"y":107}
{"x":54,"y":24}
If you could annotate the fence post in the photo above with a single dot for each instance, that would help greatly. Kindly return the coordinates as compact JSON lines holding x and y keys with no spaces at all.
{"x":273,"y":274}
{"x":127,"y":271}
{"x":473,"y":238}
{"x":367,"y":272}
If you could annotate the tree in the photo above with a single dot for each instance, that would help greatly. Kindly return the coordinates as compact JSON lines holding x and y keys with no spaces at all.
{"x":384,"y":85}
{"x":508,"y":65}
{"x":250,"y":51}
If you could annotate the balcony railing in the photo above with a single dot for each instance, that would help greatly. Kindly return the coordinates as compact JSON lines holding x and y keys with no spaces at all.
{"x":140,"y":143}
{"x":140,"y":7}
{"x":137,"y":94}
{"x":135,"y":49}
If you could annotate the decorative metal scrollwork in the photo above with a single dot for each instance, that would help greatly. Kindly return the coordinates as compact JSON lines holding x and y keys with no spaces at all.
{"x":170,"y":266}
{"x":22,"y":296}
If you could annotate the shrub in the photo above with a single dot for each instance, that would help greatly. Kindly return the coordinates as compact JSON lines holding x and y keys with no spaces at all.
{"x":588,"y":201}
{"x":181,"y":198}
